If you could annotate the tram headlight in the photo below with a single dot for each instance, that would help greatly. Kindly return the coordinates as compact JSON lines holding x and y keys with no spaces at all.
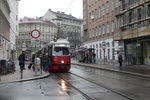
{"x":62,"y":61}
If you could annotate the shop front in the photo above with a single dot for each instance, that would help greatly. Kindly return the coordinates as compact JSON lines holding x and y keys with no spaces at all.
{"x":146,"y":52}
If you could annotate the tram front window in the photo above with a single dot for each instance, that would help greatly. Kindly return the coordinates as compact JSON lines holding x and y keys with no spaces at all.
{"x":60,"y":51}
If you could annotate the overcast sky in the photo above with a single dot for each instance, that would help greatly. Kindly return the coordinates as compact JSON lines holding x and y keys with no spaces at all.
{"x":33,"y":8}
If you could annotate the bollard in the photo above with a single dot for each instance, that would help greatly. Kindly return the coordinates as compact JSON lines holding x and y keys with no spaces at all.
{"x":21,"y":72}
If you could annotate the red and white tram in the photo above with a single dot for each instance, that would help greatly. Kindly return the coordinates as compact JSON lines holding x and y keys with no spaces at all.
{"x":59,"y":53}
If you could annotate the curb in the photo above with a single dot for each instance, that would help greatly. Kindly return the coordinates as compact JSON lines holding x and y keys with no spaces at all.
{"x":27,"y":79}
{"x":125,"y":72}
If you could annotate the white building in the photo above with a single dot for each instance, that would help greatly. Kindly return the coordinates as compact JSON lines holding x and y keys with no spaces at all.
{"x":8,"y":27}
{"x":14,"y":28}
{"x":69,"y":27}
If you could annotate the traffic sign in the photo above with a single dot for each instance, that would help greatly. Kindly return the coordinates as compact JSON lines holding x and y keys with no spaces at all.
{"x":35,"y":34}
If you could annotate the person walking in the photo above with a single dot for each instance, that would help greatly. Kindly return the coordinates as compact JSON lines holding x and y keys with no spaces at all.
{"x":37,"y":64}
{"x":22,"y":60}
{"x":44,"y":62}
{"x":94,"y":58}
{"x":120,"y":60}
{"x":22,"y":63}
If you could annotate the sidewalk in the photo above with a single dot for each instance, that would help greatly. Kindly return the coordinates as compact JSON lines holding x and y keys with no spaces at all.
{"x":27,"y":75}
{"x":137,"y":70}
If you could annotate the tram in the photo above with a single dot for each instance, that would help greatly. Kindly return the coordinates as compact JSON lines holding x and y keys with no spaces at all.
{"x":58,"y":51}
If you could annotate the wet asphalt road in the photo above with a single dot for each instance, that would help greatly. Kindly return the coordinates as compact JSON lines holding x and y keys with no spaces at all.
{"x":96,"y":84}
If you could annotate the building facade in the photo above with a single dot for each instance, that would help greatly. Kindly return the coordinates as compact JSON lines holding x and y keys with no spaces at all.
{"x":100,"y":25}
{"x":69,"y":27}
{"x":134,"y":30}
{"x":8,"y":28}
{"x":26,"y":42}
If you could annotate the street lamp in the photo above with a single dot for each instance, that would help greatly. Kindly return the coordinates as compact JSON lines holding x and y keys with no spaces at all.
{"x":104,"y":48}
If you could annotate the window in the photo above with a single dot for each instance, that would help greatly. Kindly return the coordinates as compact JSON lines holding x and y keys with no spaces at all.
{"x":103,"y":29}
{"x":99,"y":15}
{"x":139,"y":11}
{"x":112,"y":5}
{"x":148,"y":10}
{"x":108,"y":53}
{"x":99,"y":30}
{"x":96,"y":14}
{"x":103,"y":10}
{"x":93,"y":32}
{"x":108,"y":28}
{"x":59,"y":51}
{"x":112,"y":26}
{"x":107,"y":7}
{"x":100,"y":45}
{"x":100,"y":54}
{"x":130,"y":16}
{"x":108,"y":44}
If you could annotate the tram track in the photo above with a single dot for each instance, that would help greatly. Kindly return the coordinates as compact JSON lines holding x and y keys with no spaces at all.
{"x":82,"y":93}
{"x":98,"y":84}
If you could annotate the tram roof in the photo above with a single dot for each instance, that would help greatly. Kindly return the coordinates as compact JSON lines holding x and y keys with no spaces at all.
{"x":59,"y":41}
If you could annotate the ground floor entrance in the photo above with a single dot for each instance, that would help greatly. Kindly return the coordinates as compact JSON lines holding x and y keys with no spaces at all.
{"x":137,"y":52}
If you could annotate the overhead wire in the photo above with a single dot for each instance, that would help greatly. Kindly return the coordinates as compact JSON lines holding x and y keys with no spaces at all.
{"x":69,"y":5}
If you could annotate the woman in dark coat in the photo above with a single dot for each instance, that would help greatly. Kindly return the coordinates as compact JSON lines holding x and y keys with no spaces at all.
{"x":120,"y":60}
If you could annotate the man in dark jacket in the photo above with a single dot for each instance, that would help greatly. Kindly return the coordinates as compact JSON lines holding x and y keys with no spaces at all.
{"x":22,"y":60}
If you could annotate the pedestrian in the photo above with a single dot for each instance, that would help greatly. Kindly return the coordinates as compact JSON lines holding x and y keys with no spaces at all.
{"x":31,"y":65}
{"x":90,"y":54}
{"x":37,"y":63}
{"x":44,"y":61}
{"x":120,"y":60}
{"x":22,"y":60}
{"x":94,"y":58}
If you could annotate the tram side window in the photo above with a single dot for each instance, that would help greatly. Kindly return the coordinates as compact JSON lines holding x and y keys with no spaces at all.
{"x":60,"y":51}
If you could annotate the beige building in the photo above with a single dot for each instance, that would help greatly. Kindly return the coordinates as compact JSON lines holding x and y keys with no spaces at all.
{"x":26,"y":42}
{"x":134,"y":30}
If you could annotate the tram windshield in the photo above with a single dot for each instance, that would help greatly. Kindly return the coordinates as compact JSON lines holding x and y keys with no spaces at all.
{"x":61,"y":51}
